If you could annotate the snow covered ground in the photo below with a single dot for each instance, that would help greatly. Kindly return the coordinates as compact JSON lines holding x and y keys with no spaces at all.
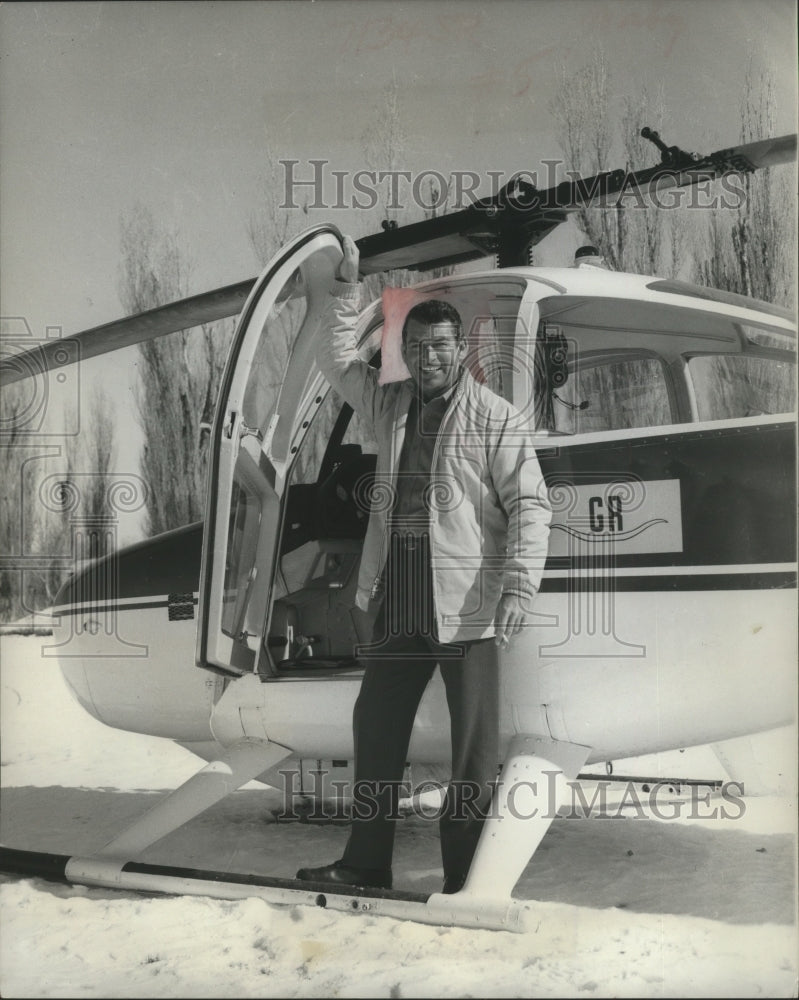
{"x":633,"y":906}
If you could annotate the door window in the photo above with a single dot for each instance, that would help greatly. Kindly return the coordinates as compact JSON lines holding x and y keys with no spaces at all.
{"x":271,"y":377}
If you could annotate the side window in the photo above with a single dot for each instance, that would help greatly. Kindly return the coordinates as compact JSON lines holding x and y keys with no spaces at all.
{"x":308,"y":462}
{"x":299,"y":542}
{"x":313,"y":450}
{"x":486,"y":359}
{"x":742,"y":385}
{"x":605,"y":363}
{"x":359,"y":432}
{"x":272,"y":352}
{"x":321,"y":505}
{"x":489,"y":312}
{"x":617,"y":394}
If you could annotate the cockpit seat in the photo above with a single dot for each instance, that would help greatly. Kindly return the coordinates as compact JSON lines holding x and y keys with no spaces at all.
{"x":343,"y":496}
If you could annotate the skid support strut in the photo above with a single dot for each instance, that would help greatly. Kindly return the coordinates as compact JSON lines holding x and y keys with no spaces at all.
{"x":532,"y":786}
{"x":239,"y":764}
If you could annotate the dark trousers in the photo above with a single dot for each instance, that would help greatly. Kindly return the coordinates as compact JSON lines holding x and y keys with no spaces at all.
{"x":399,"y":664}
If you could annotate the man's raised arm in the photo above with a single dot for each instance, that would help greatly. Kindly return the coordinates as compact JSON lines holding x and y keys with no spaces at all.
{"x":337,"y":353}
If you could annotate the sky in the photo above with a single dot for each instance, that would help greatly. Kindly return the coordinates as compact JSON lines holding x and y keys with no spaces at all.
{"x":177,"y":106}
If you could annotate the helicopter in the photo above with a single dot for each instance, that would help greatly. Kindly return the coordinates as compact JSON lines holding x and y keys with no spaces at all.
{"x":663,"y":418}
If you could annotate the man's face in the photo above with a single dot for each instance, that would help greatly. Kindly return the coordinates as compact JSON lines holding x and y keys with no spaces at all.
{"x":433,"y":355}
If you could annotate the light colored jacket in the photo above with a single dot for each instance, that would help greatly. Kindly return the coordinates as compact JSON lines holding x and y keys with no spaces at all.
{"x":489,"y":522}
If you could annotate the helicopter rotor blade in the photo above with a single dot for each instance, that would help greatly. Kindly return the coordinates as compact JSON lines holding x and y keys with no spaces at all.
{"x":520,"y":216}
{"x":767,"y":152}
{"x":183,"y":315}
{"x":506,"y":224}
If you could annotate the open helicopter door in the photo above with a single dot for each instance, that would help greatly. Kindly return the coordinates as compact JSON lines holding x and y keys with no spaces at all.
{"x":270,"y":372}
{"x":268,"y":379}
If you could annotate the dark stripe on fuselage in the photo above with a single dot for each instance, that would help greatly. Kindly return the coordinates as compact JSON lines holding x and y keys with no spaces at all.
{"x":107,"y":607}
{"x":166,"y":564}
{"x":574,"y":583}
{"x":683,"y":582}
{"x":737,"y":490}
{"x":738,"y":508}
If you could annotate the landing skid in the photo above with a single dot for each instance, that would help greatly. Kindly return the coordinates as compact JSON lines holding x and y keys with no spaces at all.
{"x":510,"y":836}
{"x":133,"y":876}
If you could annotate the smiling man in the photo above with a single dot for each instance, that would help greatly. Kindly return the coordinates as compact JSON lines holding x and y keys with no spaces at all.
{"x":433,"y":346}
{"x":454,"y":559}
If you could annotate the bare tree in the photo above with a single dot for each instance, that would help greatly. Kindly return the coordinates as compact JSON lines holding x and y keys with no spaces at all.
{"x":80,"y":489}
{"x":751,"y":248}
{"x":634,"y":235}
{"x":385,"y":144}
{"x":384,"y":149}
{"x":96,"y":455}
{"x":580,"y":108}
{"x":179,"y":379}
{"x":272,"y":224}
{"x":14,"y":499}
{"x":53,"y":501}
{"x":45,"y":490}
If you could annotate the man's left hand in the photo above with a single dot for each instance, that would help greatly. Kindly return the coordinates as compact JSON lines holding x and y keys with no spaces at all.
{"x":509,"y":619}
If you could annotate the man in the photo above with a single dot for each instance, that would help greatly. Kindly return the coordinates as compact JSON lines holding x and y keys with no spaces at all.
{"x":456,"y":558}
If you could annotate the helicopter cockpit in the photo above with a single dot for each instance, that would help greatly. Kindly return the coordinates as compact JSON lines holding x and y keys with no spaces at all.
{"x":608,"y":369}
{"x":315,"y":625}
{"x":598,"y":365}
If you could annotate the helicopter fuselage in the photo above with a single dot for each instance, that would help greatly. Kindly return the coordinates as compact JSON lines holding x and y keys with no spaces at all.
{"x":667,"y":609}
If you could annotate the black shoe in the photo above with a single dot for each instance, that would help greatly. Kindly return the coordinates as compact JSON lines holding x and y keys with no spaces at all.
{"x":453,"y":884}
{"x":341,"y":874}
